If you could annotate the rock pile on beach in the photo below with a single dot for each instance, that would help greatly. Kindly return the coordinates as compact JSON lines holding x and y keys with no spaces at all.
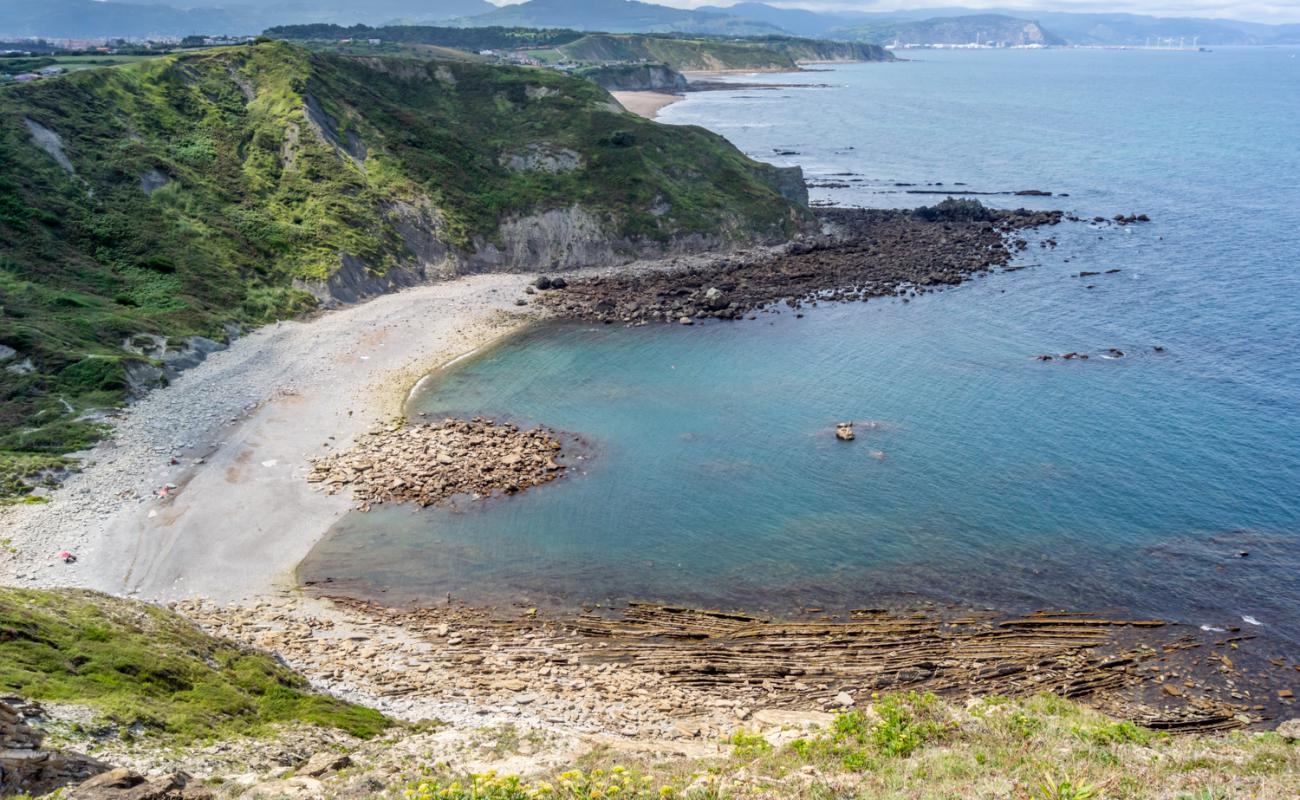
{"x":864,"y":253}
{"x":430,"y":463}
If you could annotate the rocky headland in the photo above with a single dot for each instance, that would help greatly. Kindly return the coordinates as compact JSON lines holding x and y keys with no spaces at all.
{"x":860,"y":254}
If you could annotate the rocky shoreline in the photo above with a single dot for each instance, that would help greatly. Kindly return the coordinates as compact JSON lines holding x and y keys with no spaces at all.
{"x":681,"y":674}
{"x":859,"y":255}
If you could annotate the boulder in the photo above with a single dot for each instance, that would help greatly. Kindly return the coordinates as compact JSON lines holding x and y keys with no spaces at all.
{"x":844,"y":432}
{"x":715,"y":299}
{"x":290,"y":789}
{"x":324,"y":763}
{"x":1290,"y":730}
{"x":798,"y":720}
{"x":123,"y":784}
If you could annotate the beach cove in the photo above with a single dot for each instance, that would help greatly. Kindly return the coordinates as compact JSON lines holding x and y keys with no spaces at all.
{"x":1134,"y":485}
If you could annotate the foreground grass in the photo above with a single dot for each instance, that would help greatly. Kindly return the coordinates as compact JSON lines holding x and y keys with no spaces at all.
{"x":916,"y":746}
{"x":149,"y":673}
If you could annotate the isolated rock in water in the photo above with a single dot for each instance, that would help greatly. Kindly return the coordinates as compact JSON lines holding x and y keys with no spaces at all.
{"x":844,"y":432}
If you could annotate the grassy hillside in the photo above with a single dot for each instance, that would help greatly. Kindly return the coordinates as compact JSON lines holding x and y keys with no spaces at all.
{"x":472,"y":39}
{"x":174,"y":195}
{"x":680,"y":53}
{"x":144,"y":669}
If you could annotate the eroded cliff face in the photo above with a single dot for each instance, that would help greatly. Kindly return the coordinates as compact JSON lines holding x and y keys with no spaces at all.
{"x":548,"y":242}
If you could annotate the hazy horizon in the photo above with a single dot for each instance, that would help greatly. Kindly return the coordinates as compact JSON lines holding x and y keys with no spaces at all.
{"x":1274,"y":13}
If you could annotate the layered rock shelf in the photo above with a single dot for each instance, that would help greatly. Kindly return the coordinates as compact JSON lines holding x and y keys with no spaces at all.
{"x":430,"y":463}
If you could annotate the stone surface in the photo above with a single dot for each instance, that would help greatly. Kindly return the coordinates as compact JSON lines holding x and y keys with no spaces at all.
{"x":288,"y":789}
{"x":1290,"y":730}
{"x":26,"y":767}
{"x":323,"y":764}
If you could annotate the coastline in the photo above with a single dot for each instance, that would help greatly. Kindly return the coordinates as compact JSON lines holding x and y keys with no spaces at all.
{"x":234,"y":437}
{"x":241,"y":429}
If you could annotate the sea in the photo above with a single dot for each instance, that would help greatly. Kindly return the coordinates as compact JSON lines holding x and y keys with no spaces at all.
{"x":704,"y":468}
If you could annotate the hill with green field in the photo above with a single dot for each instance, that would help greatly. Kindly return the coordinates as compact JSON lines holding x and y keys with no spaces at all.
{"x":769,"y":54}
{"x":146,"y":204}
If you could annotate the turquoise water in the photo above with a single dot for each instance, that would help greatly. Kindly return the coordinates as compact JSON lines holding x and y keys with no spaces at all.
{"x":979,"y":475}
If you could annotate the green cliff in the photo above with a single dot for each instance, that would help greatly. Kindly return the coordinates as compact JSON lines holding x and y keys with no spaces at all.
{"x":770,"y":54}
{"x":177,"y":197}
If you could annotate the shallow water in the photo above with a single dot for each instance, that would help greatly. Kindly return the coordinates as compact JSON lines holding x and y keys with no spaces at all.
{"x":1129,"y":485}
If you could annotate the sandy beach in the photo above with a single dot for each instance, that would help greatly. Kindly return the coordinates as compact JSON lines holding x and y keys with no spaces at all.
{"x":242,"y":428}
{"x":647,"y":104}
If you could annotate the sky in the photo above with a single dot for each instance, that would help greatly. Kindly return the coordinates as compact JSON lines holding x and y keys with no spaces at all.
{"x":1274,"y":11}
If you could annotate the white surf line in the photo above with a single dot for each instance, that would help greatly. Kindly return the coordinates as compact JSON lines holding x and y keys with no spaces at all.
{"x":422,"y":381}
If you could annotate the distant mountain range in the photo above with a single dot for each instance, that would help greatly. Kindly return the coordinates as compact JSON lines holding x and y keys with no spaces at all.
{"x":621,"y":16}
{"x":945,"y":25}
{"x":75,"y":19}
{"x":991,"y":29}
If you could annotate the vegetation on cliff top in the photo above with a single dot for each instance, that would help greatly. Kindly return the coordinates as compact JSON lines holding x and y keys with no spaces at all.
{"x":147,"y":670}
{"x":774,"y":53}
{"x":679,"y":51}
{"x":171,"y":196}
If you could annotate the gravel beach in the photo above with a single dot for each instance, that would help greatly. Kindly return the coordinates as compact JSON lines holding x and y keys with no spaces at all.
{"x":241,"y":429}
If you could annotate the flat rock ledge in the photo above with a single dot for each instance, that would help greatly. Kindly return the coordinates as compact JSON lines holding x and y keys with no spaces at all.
{"x":431,"y":463}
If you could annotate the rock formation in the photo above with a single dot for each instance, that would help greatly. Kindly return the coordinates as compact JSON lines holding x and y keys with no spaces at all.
{"x":25,"y":767}
{"x":430,"y":463}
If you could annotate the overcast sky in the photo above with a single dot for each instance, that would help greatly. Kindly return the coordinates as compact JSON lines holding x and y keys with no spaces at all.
{"x":1254,"y":10}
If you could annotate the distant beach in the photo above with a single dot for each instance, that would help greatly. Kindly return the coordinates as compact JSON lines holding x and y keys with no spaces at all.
{"x":646,"y":104}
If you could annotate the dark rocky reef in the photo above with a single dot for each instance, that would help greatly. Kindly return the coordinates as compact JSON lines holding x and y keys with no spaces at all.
{"x":860,"y":254}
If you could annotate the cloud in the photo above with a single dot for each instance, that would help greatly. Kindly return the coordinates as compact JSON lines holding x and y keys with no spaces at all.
{"x":1277,"y":11}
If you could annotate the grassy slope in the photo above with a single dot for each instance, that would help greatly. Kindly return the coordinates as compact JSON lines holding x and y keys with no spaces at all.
{"x":914,"y":747}
{"x":143,"y":668}
{"x":257,"y":200}
{"x":682,"y":53}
